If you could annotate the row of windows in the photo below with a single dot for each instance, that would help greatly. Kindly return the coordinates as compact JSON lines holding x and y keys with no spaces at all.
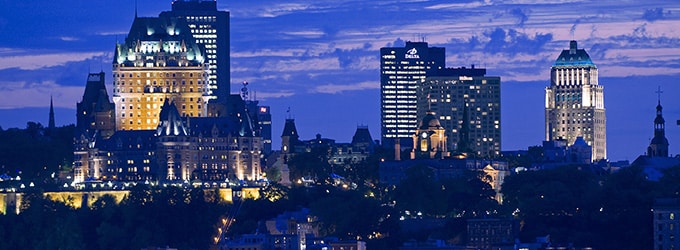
{"x":154,"y":74}
{"x":158,"y":90}
{"x":155,"y":82}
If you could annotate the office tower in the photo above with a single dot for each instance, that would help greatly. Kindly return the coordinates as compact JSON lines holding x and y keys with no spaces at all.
{"x":158,"y":60}
{"x":574,"y":102}
{"x":658,"y":147}
{"x":264,"y":122}
{"x":210,"y":28}
{"x":468,"y":106}
{"x":402,"y":70}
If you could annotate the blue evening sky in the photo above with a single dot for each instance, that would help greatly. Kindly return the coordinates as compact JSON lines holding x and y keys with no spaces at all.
{"x":321,"y":58}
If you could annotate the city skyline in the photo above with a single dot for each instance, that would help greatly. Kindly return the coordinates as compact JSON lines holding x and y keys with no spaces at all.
{"x":298,"y":55}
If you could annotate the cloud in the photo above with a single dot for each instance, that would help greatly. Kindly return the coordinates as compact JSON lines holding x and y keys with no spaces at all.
{"x":653,"y":14}
{"x":306,"y":33}
{"x":271,"y":95}
{"x":37,"y":94}
{"x":112,"y":33}
{"x":37,"y":61}
{"x":339,"y":88}
{"x":68,"y":38}
{"x":500,"y":41}
{"x":521,"y":14}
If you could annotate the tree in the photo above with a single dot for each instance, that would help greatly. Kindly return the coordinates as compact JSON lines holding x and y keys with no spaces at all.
{"x":313,"y":164}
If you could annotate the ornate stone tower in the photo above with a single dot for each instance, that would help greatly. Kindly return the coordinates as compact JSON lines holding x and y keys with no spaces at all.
{"x":574,"y":102}
{"x":430,"y":139}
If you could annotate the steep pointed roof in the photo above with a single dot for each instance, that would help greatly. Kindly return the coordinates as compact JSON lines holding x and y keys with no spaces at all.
{"x":95,"y":88}
{"x":362,"y":135}
{"x":51,"y":118}
{"x":289,"y":128}
{"x":170,"y":122}
{"x":151,"y":35}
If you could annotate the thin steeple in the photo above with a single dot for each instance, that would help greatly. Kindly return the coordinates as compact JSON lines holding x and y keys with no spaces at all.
{"x":51,"y":119}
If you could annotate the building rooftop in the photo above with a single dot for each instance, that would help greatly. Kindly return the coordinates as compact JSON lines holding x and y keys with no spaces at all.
{"x":574,"y":57}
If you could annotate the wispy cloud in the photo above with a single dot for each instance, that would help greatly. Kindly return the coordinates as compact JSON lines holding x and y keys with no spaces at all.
{"x":69,"y":38}
{"x":37,"y":61}
{"x":339,"y":88}
{"x":306,"y":33}
{"x":37,"y":94}
{"x":270,"y":95}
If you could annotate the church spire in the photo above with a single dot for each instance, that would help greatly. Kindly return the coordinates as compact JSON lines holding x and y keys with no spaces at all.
{"x":51,"y":121}
{"x":659,"y":145}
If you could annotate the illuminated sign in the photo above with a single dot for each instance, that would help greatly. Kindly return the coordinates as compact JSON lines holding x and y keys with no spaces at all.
{"x":412,"y":54}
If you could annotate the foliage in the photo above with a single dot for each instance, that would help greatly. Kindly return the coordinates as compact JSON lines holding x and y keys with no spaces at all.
{"x":311,"y":165}
{"x":170,"y":217}
{"x":466,"y":195}
{"x":577,"y":207}
{"x":35,"y":152}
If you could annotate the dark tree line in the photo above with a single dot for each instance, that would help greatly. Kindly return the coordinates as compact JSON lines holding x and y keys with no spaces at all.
{"x":147,"y":217}
{"x":36,"y":152}
{"x":613,"y":211}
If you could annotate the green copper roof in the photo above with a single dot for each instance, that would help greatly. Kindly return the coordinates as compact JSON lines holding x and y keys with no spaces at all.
{"x":149,"y":36}
{"x":573,"y":57}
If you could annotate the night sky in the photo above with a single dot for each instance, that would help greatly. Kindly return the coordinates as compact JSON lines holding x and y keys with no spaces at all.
{"x":321,"y":58}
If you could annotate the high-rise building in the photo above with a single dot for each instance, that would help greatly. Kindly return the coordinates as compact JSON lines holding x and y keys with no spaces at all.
{"x":264,"y":126}
{"x":158,"y":60}
{"x":210,"y":28}
{"x":468,"y":106}
{"x":402,"y":69}
{"x":574,"y":102}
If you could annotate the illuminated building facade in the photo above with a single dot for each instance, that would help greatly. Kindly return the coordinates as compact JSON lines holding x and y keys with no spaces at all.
{"x":430,"y":139}
{"x":402,"y":69}
{"x":574,"y":102}
{"x":210,"y":29}
{"x":158,"y":61}
{"x":179,"y":149}
{"x":468,"y":105}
